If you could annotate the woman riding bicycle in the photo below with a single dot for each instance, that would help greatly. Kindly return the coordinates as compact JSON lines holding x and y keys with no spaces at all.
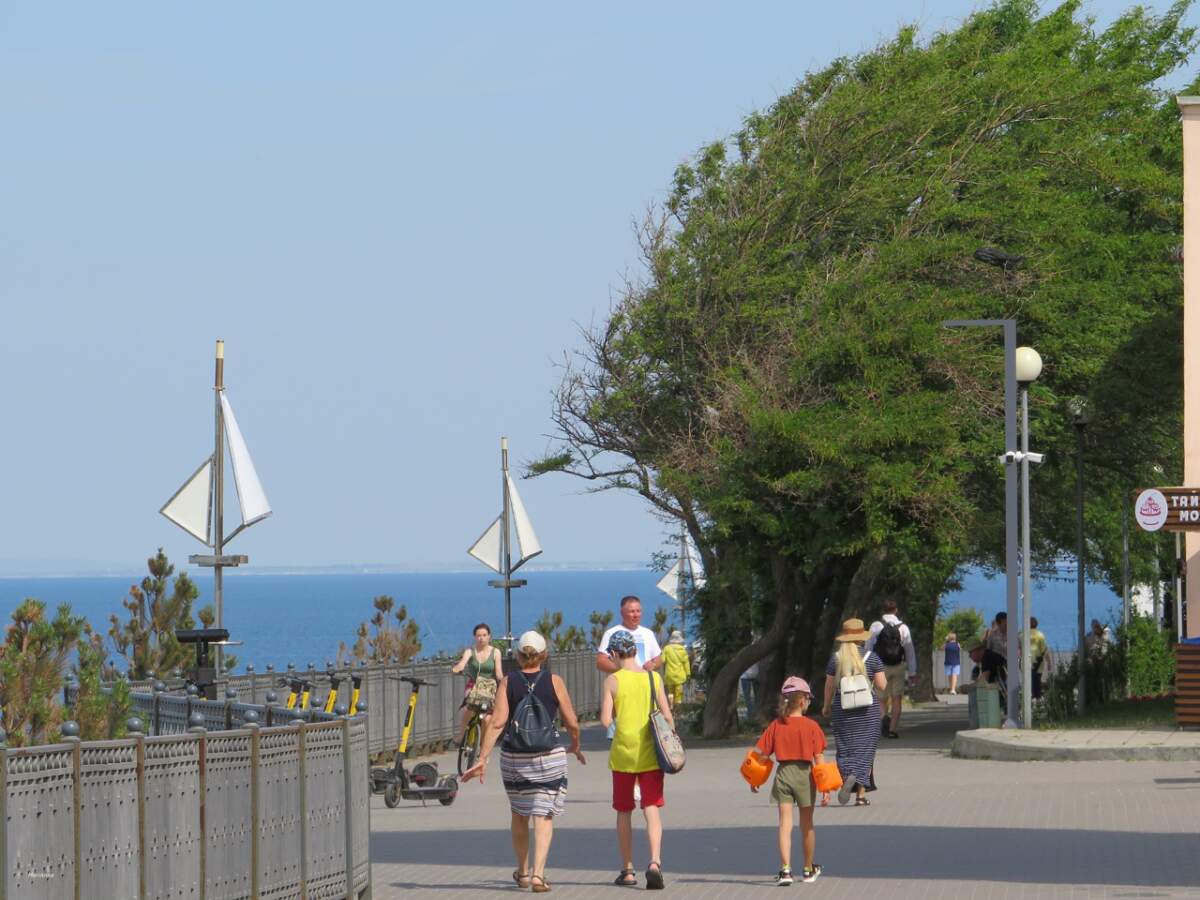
{"x":483,"y":667}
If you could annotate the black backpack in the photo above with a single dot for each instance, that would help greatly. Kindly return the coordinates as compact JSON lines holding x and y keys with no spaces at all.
{"x":531,"y":728}
{"x":889,"y":645}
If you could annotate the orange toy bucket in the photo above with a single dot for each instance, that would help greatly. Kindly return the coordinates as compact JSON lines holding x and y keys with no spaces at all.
{"x":756,"y":768}
{"x":826,"y":777}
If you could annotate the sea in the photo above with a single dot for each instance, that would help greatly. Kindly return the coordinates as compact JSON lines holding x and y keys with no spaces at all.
{"x":302,"y":618}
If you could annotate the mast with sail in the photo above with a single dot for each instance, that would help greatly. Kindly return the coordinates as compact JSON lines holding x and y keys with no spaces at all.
{"x":494,"y":546}
{"x":198,"y":507}
{"x":684,"y":578}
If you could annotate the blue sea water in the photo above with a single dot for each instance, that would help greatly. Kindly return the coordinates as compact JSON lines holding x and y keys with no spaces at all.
{"x":302,"y":618}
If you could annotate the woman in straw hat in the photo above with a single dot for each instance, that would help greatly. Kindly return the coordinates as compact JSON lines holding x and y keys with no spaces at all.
{"x":855,"y":730}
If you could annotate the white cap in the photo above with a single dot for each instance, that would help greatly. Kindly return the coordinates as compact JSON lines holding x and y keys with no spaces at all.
{"x":531,"y":640}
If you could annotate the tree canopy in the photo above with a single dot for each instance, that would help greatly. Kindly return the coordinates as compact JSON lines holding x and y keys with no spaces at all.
{"x":781,"y":382}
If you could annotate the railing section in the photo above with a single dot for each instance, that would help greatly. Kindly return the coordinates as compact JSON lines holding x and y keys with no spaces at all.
{"x":254,"y":812}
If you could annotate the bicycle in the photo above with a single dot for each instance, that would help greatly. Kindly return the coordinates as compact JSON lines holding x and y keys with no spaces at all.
{"x":469,"y":747}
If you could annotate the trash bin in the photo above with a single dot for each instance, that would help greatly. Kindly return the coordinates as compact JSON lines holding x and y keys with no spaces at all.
{"x":987,"y":706}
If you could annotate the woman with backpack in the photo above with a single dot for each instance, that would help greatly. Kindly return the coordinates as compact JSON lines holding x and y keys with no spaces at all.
{"x":853,"y":708}
{"x":533,"y":765}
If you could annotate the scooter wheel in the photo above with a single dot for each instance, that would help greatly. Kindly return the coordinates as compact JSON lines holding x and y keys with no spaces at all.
{"x":391,"y":796}
{"x":451,"y":783}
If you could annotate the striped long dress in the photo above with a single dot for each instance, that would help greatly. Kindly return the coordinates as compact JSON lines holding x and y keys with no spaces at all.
{"x":536,"y":783}
{"x":856,"y":731}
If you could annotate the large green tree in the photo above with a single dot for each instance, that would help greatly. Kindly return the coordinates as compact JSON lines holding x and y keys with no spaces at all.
{"x":781,"y":382}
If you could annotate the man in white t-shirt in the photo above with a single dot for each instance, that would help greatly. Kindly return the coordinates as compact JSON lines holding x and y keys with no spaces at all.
{"x":649,"y":654}
{"x":899,"y":657}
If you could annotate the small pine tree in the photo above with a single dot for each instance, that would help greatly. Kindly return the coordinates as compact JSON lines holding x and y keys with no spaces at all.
{"x":600,"y":622}
{"x":147,"y":639}
{"x":402,"y":640}
{"x":100,"y":714}
{"x":33,"y":661}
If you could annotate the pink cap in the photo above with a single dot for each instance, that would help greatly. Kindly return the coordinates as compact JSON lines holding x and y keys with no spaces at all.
{"x":796,"y":685}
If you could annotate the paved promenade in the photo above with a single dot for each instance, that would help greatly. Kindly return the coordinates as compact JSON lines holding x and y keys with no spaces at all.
{"x":938,"y":828}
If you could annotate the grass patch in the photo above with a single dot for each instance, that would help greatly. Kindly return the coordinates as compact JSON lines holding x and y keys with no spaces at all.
{"x":1125,"y":715}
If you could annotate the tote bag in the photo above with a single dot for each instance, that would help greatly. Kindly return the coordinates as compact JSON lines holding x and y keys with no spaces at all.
{"x":667,"y":745}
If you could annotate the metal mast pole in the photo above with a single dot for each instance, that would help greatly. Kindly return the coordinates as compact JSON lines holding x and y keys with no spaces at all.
{"x":505,"y":550}
{"x":1010,"y":479}
{"x":219,"y":495}
{"x":1080,"y":700}
{"x":1026,"y":568}
{"x":1125,"y":564}
{"x":686,"y":593}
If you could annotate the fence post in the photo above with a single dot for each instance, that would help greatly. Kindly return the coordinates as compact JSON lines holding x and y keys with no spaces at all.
{"x":70,"y":733}
{"x":303,"y":768}
{"x":196,"y":723}
{"x":136,"y":728}
{"x":254,"y":801}
{"x":3,"y":814}
{"x":348,"y":805}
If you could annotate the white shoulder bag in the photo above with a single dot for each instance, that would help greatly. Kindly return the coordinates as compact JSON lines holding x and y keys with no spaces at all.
{"x":855,"y":690}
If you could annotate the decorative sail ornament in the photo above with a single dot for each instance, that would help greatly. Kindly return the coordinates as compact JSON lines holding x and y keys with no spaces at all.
{"x":527,"y":540}
{"x":199,"y":506}
{"x":191,"y":506}
{"x":251,"y":497}
{"x":487,"y":548}
{"x":685,"y":577}
{"x":494,"y":547}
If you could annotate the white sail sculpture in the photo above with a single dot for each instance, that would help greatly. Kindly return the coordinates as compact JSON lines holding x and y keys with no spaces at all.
{"x":685,"y":577}
{"x":198,"y":506}
{"x":494,"y":546}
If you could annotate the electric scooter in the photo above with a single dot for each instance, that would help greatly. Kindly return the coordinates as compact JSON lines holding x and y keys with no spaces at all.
{"x":422,"y":781}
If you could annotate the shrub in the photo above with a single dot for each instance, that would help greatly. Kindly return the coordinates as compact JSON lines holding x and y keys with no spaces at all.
{"x":1149,"y":657}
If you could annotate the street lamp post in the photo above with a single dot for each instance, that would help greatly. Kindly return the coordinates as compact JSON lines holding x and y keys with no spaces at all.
{"x":1010,"y":481}
{"x":1077,"y":407}
{"x":1029,"y":367}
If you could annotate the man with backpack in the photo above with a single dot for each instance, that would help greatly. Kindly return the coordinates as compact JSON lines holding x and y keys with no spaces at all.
{"x":891,"y":641}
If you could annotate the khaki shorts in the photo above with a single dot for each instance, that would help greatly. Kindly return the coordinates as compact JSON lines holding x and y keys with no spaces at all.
{"x":793,"y":784}
{"x":897,"y":677}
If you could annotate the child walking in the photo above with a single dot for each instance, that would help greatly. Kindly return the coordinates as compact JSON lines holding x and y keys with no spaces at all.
{"x":797,"y":744}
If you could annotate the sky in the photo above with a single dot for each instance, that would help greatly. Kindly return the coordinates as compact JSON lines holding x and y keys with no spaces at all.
{"x":397,"y":217}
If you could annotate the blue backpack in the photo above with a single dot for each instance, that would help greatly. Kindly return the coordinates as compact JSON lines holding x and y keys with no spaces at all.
{"x":531,"y":728}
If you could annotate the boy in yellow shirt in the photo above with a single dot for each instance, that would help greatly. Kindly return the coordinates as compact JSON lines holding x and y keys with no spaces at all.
{"x":677,"y":668}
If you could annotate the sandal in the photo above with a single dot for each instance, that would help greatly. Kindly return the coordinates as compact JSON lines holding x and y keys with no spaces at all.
{"x":862,"y":801}
{"x":521,"y":878}
{"x":627,"y":878}
{"x":540,"y":885}
{"x":654,"y":879}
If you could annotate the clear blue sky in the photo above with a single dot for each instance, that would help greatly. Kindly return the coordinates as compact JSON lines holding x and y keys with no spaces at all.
{"x":396,"y":216}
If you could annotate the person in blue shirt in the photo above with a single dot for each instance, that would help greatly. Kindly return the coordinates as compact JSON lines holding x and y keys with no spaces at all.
{"x":953,"y":660}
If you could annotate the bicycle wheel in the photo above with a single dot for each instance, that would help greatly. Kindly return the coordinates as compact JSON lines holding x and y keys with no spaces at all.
{"x":468,"y":750}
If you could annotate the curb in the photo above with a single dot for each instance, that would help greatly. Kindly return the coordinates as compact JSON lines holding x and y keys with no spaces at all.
{"x":984,"y":744}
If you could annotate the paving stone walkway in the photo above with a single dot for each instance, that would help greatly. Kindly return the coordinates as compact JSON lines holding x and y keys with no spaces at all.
{"x":938,"y":828}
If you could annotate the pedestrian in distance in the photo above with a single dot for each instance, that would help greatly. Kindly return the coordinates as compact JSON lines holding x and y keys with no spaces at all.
{"x":1037,"y":656}
{"x":853,"y":709}
{"x":892,"y":642}
{"x":533,"y":764}
{"x":952,"y":653}
{"x":677,"y":668}
{"x":996,"y":637}
{"x":629,"y":696}
{"x":798,"y":744}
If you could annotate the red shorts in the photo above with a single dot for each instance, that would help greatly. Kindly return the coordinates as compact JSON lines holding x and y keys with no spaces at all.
{"x":650,"y":782}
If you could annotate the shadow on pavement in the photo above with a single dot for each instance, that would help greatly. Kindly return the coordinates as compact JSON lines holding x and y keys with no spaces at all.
{"x":1038,"y":856}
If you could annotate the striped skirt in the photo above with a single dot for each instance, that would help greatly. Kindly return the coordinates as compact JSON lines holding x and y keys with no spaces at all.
{"x":536,"y":782}
{"x":856,"y":732}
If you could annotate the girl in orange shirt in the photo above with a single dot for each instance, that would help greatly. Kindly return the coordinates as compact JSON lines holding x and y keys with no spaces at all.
{"x":797,"y":744}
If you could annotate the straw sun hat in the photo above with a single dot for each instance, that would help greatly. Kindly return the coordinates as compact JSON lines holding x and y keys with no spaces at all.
{"x":853,"y":630}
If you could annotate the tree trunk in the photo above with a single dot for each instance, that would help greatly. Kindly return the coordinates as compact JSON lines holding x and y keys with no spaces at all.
{"x":720,"y":709}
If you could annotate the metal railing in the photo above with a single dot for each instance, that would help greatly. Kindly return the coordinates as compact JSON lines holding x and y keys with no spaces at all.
{"x":382,"y":694}
{"x":279,"y":812}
